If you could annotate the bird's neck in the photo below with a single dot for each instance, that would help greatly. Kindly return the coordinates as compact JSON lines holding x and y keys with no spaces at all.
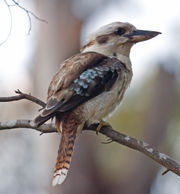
{"x":120,"y":53}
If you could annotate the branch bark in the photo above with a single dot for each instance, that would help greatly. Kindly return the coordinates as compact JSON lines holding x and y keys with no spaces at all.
{"x":141,"y":146}
{"x":21,"y":96}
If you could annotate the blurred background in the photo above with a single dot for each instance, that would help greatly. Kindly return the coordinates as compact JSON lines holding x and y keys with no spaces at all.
{"x":150,"y":110}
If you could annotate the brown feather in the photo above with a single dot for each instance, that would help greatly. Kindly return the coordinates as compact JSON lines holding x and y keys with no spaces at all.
{"x":58,"y":91}
{"x":65,"y":150}
{"x":92,"y":78}
{"x":69,"y":125}
{"x":71,"y":68}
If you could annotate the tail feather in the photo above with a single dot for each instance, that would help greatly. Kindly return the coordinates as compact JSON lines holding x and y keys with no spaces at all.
{"x":64,"y":156}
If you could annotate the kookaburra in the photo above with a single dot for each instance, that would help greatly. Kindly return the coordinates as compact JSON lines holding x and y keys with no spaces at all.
{"x":90,"y":85}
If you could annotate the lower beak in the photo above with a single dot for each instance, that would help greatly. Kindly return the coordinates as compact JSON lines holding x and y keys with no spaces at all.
{"x":141,"y":35}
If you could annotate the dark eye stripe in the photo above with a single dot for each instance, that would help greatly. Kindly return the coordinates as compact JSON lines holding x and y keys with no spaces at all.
{"x":102,"y":39}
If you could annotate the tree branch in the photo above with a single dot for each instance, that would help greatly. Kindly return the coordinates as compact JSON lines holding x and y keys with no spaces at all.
{"x":28,"y":124}
{"x":21,"y":96}
{"x":115,"y":136}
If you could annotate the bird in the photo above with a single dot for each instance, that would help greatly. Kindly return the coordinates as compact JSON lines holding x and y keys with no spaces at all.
{"x":89,"y":86}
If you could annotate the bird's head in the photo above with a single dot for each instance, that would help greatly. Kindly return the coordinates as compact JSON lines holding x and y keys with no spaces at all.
{"x":116,"y":38}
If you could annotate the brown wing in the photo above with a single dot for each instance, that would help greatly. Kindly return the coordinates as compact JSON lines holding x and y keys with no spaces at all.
{"x":80,"y":78}
{"x":70,"y":69}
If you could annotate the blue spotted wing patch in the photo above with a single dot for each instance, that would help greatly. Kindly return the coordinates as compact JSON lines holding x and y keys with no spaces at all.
{"x":93,"y":81}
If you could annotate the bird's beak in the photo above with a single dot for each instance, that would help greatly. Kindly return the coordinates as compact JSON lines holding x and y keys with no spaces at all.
{"x":141,"y":35}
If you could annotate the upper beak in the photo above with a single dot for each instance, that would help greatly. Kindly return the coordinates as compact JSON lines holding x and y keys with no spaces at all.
{"x":141,"y":35}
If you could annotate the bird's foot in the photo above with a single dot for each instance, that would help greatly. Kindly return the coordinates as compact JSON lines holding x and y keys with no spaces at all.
{"x":100,"y":125}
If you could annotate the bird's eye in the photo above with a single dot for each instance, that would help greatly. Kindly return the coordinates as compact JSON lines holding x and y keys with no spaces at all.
{"x":119,"y":31}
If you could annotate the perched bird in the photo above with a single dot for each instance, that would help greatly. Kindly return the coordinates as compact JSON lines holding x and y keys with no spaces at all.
{"x":90,"y":85}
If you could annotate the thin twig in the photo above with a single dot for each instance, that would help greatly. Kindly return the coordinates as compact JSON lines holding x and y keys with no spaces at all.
{"x":10,"y":28}
{"x":21,"y":96}
{"x":29,"y":14}
{"x":165,"y":172}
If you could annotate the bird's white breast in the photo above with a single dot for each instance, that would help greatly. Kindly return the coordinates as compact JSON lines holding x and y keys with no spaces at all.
{"x":102,"y":105}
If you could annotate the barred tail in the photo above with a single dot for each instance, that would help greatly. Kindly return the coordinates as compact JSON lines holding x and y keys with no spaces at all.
{"x":64,"y":156}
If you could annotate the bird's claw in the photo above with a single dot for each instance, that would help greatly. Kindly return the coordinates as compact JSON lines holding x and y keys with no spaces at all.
{"x":100,"y":125}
